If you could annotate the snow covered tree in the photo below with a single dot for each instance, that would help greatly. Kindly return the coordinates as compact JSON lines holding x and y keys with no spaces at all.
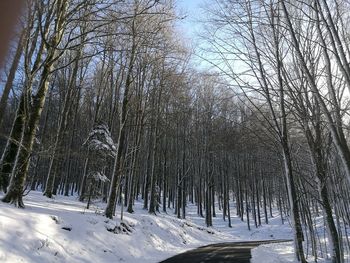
{"x":100,"y":141}
{"x":101,"y":145}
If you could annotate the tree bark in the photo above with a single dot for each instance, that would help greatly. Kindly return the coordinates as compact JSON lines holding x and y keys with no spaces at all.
{"x":11,"y":76}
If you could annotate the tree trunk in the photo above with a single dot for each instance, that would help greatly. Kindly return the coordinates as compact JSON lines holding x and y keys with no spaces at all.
{"x":11,"y":76}
{"x":10,"y":152}
{"x":111,"y":203}
{"x":20,"y":170}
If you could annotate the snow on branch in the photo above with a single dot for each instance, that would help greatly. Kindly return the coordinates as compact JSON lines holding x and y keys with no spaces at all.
{"x":100,"y":140}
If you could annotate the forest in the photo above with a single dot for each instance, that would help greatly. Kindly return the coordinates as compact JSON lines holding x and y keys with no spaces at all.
{"x":107,"y":101}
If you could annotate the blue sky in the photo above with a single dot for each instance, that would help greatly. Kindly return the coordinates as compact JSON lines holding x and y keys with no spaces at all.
{"x":190,"y":26}
{"x":191,"y":5}
{"x":191,"y":8}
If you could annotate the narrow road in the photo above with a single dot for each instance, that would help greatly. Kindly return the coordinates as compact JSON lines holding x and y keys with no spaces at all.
{"x":233,"y":252}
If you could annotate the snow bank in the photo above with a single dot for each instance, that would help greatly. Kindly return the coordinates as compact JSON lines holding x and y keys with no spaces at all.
{"x":276,"y":253}
{"x":273,"y":253}
{"x":62,"y":230}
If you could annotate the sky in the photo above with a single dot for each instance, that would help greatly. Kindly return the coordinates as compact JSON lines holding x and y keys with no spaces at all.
{"x":191,"y":10}
{"x":190,"y":26}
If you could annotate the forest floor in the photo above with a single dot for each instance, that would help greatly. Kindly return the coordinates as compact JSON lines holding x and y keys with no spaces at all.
{"x":63,"y":230}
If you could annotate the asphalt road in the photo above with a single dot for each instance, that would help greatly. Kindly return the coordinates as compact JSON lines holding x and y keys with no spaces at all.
{"x":233,"y":252}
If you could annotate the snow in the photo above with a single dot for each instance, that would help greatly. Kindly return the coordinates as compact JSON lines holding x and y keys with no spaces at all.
{"x":276,"y":253}
{"x":100,"y":140}
{"x":100,"y":176}
{"x":284,"y":252}
{"x":36,"y":234}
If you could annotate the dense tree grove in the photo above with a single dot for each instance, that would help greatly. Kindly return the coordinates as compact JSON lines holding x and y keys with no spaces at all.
{"x":101,"y":99}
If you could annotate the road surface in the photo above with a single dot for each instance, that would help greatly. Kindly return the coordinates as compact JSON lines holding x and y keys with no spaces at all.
{"x":233,"y":252}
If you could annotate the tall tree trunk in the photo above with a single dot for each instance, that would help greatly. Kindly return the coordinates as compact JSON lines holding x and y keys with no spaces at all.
{"x":20,"y":170}
{"x":10,"y":152}
{"x":111,"y":203}
{"x":153,"y":199}
{"x":61,"y":132}
{"x":11,"y":76}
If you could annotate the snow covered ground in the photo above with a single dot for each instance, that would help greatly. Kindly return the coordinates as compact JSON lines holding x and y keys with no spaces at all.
{"x":62,"y":230}
{"x":277,"y":253}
